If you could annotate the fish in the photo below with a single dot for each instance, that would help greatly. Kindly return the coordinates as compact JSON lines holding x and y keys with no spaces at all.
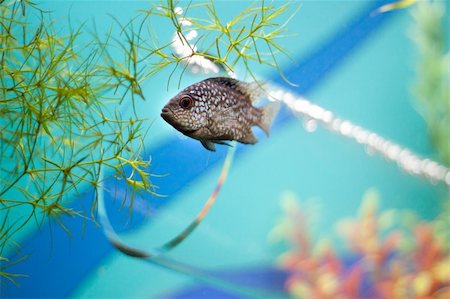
{"x":220,"y":109}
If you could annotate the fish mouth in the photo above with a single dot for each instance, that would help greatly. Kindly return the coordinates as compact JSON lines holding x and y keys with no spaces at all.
{"x":166,"y":114}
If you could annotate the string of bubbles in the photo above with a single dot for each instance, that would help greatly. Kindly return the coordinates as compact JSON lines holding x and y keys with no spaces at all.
{"x":313,"y":115}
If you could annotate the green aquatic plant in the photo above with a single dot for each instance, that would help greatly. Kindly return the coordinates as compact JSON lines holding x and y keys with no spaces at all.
{"x":385,"y":254}
{"x":251,"y":36}
{"x":432,"y":87}
{"x":61,"y":118}
{"x":59,"y":122}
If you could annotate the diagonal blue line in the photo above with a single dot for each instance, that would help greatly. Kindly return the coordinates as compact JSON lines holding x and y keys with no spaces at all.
{"x":58,"y":274}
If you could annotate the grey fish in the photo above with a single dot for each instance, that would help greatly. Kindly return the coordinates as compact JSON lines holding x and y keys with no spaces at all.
{"x":220,"y":109}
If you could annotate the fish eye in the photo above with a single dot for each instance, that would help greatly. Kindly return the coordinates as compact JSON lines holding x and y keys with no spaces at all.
{"x":186,"y":102}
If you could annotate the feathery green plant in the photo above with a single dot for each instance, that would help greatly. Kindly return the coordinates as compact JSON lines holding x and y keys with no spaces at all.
{"x":251,"y":36}
{"x":60,"y":119}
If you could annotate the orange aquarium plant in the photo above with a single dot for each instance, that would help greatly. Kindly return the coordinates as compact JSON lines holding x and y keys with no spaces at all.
{"x":385,"y":254}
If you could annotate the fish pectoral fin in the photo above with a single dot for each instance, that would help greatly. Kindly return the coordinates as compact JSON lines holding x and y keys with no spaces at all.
{"x":211,"y":145}
{"x":249,"y":138}
{"x":226,"y":116}
{"x":223,"y":143}
{"x":208,"y":145}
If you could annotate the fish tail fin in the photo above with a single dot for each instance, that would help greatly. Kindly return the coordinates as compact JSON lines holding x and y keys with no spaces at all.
{"x":269,"y":112}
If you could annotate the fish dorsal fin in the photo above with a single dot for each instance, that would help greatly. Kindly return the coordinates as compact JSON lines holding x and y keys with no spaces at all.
{"x":208,"y":145}
{"x":253,"y":91}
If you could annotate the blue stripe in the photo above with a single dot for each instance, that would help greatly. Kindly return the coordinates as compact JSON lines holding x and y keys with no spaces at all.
{"x":261,"y":278}
{"x":58,"y":274}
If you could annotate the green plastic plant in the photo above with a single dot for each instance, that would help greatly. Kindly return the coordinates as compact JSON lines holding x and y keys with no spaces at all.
{"x":60,"y":101}
{"x":432,"y":87}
